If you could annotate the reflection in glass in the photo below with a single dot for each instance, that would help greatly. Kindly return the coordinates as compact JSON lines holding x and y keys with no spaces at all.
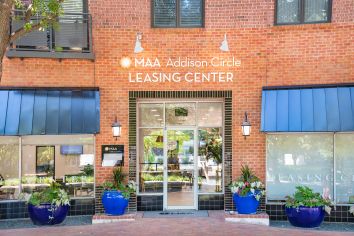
{"x":40,"y":164}
{"x":9,"y":168}
{"x":210,"y":114}
{"x":344,"y":167}
{"x":316,"y":11}
{"x":180,"y":114}
{"x":299,"y":159}
{"x":210,"y":160}
{"x":191,"y":13}
{"x":165,"y":13}
{"x":151,"y":161}
{"x":150,"y":115}
{"x":288,"y":11}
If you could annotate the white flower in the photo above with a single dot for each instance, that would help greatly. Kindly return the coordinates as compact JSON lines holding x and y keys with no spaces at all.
{"x":253,"y":184}
{"x":252,"y":190}
{"x":328,"y":210}
{"x":258,"y":184}
{"x":351,"y":210}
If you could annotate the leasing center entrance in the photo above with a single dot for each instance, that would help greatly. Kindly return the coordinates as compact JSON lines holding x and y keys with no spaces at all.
{"x":180,"y":150}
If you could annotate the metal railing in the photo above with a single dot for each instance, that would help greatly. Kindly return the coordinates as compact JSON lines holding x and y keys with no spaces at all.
{"x":73,"y":34}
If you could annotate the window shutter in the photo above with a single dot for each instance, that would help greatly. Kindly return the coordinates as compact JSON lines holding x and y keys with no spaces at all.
{"x":165,"y":13}
{"x":191,"y":13}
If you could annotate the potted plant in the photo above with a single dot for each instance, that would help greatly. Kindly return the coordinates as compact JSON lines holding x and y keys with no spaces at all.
{"x":247,"y":191}
{"x":115,"y":197}
{"x":50,"y":206}
{"x":306,"y":208}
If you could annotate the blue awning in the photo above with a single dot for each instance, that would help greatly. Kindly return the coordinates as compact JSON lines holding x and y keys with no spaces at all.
{"x":328,"y":109}
{"x":39,"y":112}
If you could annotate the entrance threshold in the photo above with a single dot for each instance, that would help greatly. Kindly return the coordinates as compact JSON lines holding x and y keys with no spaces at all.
{"x":175,"y":214}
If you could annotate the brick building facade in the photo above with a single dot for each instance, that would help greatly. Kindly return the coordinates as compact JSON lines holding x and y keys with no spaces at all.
{"x":270,"y":55}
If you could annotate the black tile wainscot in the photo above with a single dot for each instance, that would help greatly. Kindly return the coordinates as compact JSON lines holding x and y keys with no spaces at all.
{"x":150,"y":203}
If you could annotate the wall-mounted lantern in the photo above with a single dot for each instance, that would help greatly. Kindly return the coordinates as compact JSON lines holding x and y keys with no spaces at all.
{"x":116,"y":129}
{"x":246,"y":126}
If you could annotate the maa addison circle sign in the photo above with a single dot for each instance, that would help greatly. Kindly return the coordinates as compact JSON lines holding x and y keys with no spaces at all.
{"x":215,"y":69}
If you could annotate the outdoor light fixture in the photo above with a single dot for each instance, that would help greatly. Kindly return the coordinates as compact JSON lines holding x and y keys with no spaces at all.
{"x":138,"y":48}
{"x":116,"y":129}
{"x":246,"y":126}
{"x":224,"y":45}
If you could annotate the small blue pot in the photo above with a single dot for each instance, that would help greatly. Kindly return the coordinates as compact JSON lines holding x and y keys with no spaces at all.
{"x":46,"y":214}
{"x":305,"y":217}
{"x":245,"y":204}
{"x":114,"y":203}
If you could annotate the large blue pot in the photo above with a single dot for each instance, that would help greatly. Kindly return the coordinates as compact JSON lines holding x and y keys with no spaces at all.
{"x":114,"y":203}
{"x":245,"y":204}
{"x":47,"y":214}
{"x":305,"y":217}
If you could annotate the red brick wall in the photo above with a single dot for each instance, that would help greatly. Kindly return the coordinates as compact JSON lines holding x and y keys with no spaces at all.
{"x":271,"y":55}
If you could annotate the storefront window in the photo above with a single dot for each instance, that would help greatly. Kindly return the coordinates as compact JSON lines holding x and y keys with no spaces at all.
{"x":180,"y":114}
{"x":151,"y":161}
{"x":151,"y":115}
{"x":299,"y":159}
{"x":210,"y":160}
{"x":210,"y":114}
{"x":67,"y":159}
{"x":344,"y":156}
{"x":9,"y":168}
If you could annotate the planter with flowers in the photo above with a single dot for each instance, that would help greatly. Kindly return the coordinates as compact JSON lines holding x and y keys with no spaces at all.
{"x":247,"y":191}
{"x":306,"y":208}
{"x":116,"y":194}
{"x":49,"y":206}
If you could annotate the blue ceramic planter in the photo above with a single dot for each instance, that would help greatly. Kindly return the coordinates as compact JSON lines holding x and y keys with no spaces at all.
{"x":246,"y":204}
{"x":305,"y":217}
{"x":114,"y":203}
{"x":46,"y":214}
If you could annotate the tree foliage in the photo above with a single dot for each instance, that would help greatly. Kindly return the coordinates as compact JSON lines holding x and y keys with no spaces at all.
{"x":35,"y":14}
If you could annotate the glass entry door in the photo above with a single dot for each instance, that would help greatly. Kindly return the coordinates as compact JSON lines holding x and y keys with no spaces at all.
{"x":179,"y":169}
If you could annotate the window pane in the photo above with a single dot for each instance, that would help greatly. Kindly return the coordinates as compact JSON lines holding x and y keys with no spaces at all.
{"x":288,"y":11}
{"x":316,"y":10}
{"x":165,"y":13}
{"x":69,"y":159}
{"x":210,"y":160}
{"x":210,"y":114}
{"x":345,"y":167}
{"x":191,"y":13}
{"x":151,"y":161}
{"x":45,"y":161}
{"x":151,"y":115}
{"x":9,"y":168}
{"x":180,"y":114}
{"x":299,"y":159}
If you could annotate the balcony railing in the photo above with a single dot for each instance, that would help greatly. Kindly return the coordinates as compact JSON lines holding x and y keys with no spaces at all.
{"x":71,"y":38}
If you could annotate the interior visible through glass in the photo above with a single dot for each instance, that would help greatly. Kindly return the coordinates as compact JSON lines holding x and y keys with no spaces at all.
{"x":191,"y":160}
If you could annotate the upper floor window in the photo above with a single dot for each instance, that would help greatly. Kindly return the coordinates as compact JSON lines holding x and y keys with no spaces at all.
{"x":303,"y":11}
{"x":177,"y":13}
{"x":71,"y":38}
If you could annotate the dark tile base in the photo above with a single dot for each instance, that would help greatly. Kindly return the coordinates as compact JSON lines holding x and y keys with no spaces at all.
{"x":211,"y":202}
{"x":340,"y":214}
{"x":150,"y":203}
{"x":12,"y":210}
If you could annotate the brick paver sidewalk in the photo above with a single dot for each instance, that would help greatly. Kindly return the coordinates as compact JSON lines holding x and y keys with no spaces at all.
{"x":213,"y":225}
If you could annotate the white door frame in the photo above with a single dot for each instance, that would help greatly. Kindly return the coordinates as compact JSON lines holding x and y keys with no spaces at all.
{"x":165,"y":167}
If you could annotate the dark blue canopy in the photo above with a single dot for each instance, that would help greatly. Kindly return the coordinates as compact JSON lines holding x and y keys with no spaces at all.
{"x":328,"y":109}
{"x":39,"y":111}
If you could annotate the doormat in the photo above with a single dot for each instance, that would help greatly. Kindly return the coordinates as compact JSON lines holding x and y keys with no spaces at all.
{"x":175,"y":214}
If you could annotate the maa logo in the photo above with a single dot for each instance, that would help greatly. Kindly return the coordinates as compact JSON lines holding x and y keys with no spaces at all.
{"x":147,"y":62}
